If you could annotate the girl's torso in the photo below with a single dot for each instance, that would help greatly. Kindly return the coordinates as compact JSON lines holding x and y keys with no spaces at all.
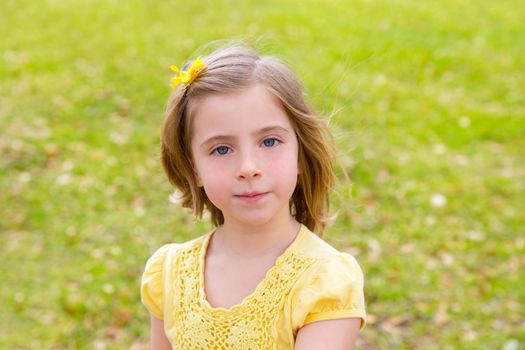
{"x":249,"y":306}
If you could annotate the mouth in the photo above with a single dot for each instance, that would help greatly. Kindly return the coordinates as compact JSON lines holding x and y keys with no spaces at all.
{"x":252,"y":196}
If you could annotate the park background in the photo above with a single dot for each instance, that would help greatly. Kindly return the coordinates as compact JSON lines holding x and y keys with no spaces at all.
{"x":427,"y":101}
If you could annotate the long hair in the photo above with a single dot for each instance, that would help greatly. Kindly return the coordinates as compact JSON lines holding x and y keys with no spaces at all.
{"x":229,"y":70}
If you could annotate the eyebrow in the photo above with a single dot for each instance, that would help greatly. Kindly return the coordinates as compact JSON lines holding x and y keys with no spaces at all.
{"x":229,"y":137}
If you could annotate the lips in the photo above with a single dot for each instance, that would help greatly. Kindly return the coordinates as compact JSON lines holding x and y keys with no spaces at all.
{"x":252,"y":196}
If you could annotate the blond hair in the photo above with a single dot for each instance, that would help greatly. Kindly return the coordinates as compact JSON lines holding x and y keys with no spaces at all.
{"x":229,"y":70}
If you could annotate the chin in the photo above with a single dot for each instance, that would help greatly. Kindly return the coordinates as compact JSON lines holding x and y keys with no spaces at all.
{"x":254,"y":220}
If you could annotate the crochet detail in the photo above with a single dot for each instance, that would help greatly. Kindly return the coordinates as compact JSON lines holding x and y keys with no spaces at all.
{"x":249,"y":325}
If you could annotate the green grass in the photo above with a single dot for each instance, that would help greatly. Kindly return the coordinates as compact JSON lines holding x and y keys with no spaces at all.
{"x":430,"y":100}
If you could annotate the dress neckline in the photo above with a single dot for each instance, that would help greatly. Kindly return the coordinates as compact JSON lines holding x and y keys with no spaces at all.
{"x":260,"y":285}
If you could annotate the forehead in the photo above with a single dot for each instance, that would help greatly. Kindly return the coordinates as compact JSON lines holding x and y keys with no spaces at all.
{"x":240,"y":112}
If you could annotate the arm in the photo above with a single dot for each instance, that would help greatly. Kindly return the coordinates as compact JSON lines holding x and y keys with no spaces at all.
{"x":158,"y":337}
{"x":339,"y":334}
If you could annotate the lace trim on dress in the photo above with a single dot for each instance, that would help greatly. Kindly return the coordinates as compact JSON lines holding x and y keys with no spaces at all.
{"x":248,"y":325}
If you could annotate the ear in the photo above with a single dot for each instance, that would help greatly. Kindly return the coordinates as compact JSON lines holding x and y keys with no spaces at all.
{"x":299,"y":162}
{"x":198,"y":180}
{"x":196,"y":176}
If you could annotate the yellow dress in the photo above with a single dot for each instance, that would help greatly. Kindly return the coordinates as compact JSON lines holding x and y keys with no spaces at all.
{"x":310,"y":281}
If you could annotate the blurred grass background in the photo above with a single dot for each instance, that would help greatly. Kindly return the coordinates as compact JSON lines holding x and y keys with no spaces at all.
{"x":431,"y":125}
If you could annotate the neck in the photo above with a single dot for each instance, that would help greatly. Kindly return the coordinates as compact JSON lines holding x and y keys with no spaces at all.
{"x":247,"y":242}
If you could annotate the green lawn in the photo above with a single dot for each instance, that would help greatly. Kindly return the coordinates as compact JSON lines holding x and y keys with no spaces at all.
{"x":430,"y":102}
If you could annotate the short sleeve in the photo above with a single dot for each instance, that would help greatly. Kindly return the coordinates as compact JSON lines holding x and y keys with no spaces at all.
{"x":331,"y":289}
{"x":151,"y":284}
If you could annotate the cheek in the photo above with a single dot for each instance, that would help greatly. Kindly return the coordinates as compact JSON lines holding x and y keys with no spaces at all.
{"x":283,"y":165}
{"x":202,"y":170}
{"x":214,"y":180}
{"x":217,"y":189}
{"x":285,"y":168}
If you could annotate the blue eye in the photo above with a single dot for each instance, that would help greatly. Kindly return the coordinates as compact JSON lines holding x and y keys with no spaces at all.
{"x":270,"y":142}
{"x":221,"y":150}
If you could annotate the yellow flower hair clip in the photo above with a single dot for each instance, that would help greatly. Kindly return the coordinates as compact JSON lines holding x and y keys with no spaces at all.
{"x":187,"y":77}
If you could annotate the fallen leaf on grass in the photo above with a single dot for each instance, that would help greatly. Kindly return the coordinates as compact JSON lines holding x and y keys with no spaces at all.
{"x":121,"y":317}
{"x":371,"y":319}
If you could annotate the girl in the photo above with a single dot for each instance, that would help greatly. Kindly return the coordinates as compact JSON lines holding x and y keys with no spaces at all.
{"x":239,"y":142}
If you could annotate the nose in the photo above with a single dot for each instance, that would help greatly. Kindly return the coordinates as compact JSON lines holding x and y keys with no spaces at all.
{"x":248,"y":168}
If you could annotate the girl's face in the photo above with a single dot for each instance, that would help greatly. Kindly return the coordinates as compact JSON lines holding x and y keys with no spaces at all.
{"x":245,"y":155}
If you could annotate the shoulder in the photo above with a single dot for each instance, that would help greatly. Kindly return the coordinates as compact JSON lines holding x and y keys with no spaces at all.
{"x":171,"y":250}
{"x":331,"y":287}
{"x":330,"y":271}
{"x":324,"y":255}
{"x":167,"y":254}
{"x":151,"y":285}
{"x":153,"y":278}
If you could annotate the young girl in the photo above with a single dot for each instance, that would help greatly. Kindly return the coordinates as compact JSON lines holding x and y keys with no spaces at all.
{"x":240,"y":142}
